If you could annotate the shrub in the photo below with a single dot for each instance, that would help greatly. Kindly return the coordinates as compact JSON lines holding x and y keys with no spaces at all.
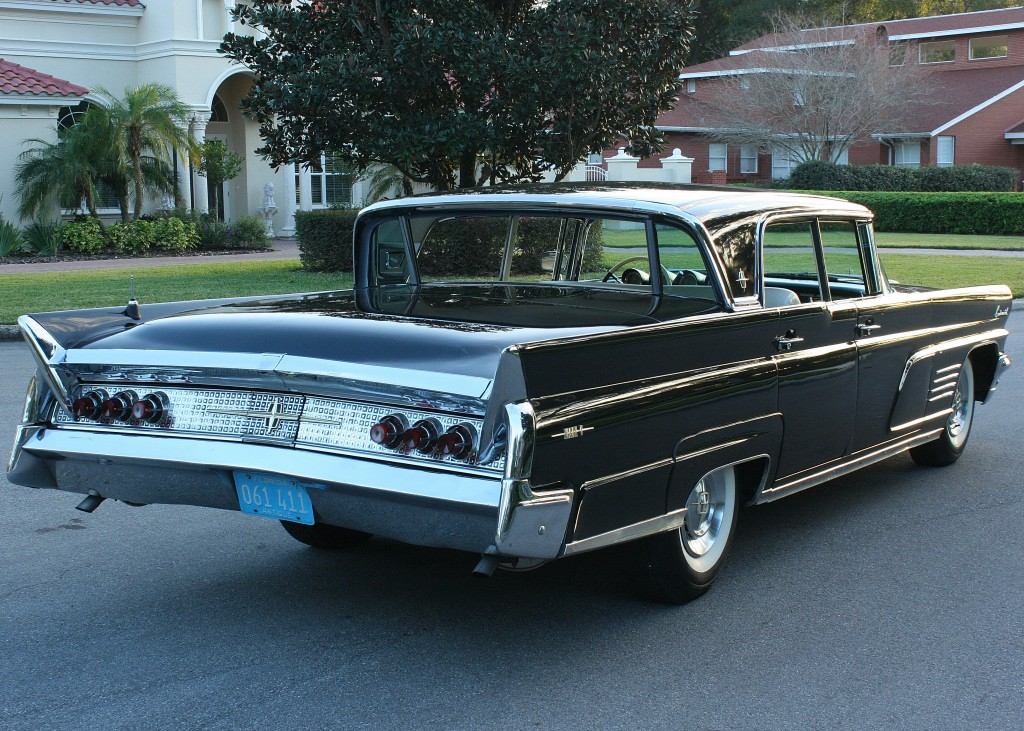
{"x":174,"y":234}
{"x":133,"y":238}
{"x":84,"y":236}
{"x":213,"y":234}
{"x":818,"y":175}
{"x":325,"y":239}
{"x":249,"y":232}
{"x":11,"y":239}
{"x":942,"y":213}
{"x":43,"y":237}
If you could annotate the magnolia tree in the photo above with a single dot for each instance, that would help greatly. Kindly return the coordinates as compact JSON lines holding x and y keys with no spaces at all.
{"x":460,"y":92}
{"x":836,"y":86}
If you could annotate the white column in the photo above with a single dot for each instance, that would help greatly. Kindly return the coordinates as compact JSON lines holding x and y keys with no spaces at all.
{"x":622,"y":166}
{"x":305,"y":189}
{"x":199,"y":122}
{"x":184,"y":177}
{"x":288,"y":186}
{"x":229,"y":21}
{"x":199,"y":20}
{"x":677,"y":167}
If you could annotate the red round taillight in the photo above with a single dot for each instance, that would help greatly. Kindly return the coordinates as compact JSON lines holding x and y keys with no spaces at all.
{"x":88,"y":405}
{"x":148,"y":409}
{"x":118,"y":407}
{"x":422,"y":436}
{"x":388,"y":431}
{"x":458,"y":441}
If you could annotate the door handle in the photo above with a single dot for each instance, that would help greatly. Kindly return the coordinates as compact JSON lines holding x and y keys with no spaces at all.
{"x":785,"y":343}
{"x":866,"y":328}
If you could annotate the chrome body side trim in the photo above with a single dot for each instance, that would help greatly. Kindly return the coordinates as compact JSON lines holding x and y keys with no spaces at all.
{"x":941,"y":347}
{"x":277,"y":365}
{"x":843,"y":467}
{"x":923,"y":420}
{"x":658,"y":524}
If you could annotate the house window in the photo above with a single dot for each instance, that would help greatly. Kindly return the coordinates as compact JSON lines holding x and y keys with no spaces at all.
{"x":988,"y":47}
{"x":748,"y":159}
{"x":897,"y":54}
{"x":783,"y":161}
{"x":937,"y":52}
{"x":744,"y":82}
{"x":718,"y":157}
{"x":691,"y":86}
{"x":68,"y":117}
{"x":798,"y":98}
{"x":844,"y":157}
{"x":330,"y":183}
{"x":945,"y":151}
{"x":907,"y":154}
{"x":595,"y":158}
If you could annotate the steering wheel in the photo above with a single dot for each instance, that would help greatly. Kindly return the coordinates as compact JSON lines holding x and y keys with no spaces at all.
{"x":610,"y":276}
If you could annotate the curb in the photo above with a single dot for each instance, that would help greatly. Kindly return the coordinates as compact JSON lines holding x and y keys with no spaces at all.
{"x":11,"y":332}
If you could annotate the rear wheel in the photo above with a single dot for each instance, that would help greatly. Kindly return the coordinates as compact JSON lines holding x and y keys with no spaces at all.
{"x":680,"y":565}
{"x":324,"y":536}
{"x":950,"y":444}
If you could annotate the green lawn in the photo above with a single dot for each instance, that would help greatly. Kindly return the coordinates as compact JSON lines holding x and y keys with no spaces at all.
{"x":619,"y":239}
{"x":22,"y":293}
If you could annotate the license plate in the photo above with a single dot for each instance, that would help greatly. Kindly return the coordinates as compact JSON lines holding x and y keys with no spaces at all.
{"x":274,"y":497}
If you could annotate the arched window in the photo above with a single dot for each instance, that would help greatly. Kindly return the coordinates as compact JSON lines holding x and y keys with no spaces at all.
{"x":218,"y":112}
{"x":68,"y":117}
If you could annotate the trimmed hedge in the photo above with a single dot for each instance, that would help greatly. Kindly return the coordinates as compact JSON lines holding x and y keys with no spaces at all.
{"x":818,"y":175}
{"x":941,"y":213}
{"x":325,"y":239}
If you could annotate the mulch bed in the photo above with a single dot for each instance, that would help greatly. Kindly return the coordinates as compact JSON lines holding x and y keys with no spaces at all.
{"x":106,"y":256}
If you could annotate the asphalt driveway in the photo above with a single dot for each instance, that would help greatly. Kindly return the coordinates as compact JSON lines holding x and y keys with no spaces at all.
{"x":892,"y":598}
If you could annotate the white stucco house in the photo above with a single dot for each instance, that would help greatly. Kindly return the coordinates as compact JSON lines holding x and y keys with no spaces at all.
{"x":54,"y":54}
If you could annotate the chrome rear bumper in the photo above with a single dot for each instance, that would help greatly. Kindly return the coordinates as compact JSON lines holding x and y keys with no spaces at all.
{"x":414,"y":505}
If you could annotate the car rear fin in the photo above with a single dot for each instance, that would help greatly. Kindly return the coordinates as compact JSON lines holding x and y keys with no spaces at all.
{"x":49,"y":354}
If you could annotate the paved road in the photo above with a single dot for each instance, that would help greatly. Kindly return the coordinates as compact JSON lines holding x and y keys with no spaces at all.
{"x":890,"y":599}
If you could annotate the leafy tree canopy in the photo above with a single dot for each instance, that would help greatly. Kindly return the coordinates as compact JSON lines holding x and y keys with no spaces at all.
{"x":461,"y":92}
{"x":725,"y":24}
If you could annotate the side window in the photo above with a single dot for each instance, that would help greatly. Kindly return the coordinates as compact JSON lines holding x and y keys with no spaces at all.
{"x":843,"y":262}
{"x":736,"y":248}
{"x":680,"y":256}
{"x":789,"y":263}
{"x":615,"y":251}
{"x":462,"y":248}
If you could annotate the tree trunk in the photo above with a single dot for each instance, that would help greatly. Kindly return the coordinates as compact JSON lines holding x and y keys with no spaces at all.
{"x":139,"y":191}
{"x":467,"y":169}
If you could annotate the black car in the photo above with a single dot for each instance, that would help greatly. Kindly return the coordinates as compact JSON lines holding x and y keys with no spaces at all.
{"x":527,"y":375}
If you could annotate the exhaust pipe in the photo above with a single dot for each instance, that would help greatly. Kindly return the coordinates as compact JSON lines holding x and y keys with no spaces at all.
{"x":91,"y":502}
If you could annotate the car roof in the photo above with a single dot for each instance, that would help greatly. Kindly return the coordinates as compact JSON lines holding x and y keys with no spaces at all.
{"x":713,"y":206}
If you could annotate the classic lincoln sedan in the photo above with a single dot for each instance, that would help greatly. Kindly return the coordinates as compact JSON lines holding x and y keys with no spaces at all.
{"x":527,"y":374}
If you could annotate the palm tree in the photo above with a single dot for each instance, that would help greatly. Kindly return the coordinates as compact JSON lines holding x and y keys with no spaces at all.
{"x":66,"y":171}
{"x":141,"y":129}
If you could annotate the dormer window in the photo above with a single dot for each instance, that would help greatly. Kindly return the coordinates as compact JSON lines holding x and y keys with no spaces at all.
{"x":988,"y":47}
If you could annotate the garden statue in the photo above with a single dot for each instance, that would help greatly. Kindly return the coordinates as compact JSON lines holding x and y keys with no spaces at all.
{"x":269,"y":208}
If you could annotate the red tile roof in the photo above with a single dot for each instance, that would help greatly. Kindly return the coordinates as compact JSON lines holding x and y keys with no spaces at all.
{"x":937,"y":24}
{"x":954,"y":92}
{"x":16,"y":79}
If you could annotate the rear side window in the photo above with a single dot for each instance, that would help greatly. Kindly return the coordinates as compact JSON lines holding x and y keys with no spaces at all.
{"x":790,"y":261}
{"x":843,"y":261}
{"x":736,"y":248}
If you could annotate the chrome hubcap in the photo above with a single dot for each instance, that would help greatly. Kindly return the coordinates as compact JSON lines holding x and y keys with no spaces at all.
{"x":959,"y":423}
{"x":709,"y":510}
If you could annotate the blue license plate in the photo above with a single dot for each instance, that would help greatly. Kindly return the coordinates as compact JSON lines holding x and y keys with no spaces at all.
{"x":274,"y":497}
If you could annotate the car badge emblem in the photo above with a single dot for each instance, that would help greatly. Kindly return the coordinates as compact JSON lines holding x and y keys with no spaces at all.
{"x":272,"y":417}
{"x":1002,"y":311}
{"x":571,"y":432}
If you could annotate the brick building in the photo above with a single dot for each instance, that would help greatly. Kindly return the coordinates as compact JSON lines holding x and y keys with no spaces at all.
{"x":975,"y":65}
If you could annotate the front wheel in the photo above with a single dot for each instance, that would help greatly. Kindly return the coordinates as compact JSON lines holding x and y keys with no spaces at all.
{"x":947,"y":448}
{"x":324,"y":536}
{"x":680,"y":565}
